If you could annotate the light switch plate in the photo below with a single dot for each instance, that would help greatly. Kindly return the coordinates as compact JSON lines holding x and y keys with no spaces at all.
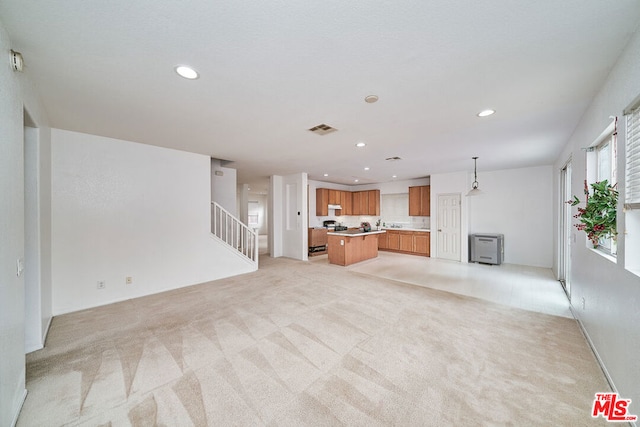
{"x":19,"y":267}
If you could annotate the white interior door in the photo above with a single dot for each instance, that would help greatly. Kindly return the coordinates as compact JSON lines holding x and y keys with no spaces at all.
{"x":448,"y":234}
{"x":294,"y":217}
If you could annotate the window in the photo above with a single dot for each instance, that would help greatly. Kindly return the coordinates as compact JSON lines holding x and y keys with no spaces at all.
{"x":602,"y":165}
{"x":632,"y":188}
{"x":632,"y":182}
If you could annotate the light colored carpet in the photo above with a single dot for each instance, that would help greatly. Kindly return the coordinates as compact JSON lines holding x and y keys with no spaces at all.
{"x":304,"y":344}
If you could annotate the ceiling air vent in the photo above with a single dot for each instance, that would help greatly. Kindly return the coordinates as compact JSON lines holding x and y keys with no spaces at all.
{"x":393,"y":159}
{"x":322,"y":129}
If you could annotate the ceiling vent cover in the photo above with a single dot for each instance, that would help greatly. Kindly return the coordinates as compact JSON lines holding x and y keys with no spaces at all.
{"x":322,"y":129}
{"x":393,"y":159}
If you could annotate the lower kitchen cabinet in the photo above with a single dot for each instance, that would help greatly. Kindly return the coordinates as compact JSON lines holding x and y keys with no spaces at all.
{"x":406,"y":242}
{"x":393,"y":240}
{"x":383,"y":241}
{"x":422,"y":243}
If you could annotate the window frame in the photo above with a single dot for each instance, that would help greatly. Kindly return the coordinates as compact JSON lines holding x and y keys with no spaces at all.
{"x":631,"y":190}
{"x":606,"y":246}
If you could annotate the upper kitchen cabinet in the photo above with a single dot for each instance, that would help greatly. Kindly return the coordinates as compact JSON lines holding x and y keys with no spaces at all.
{"x":420,"y":200}
{"x":374,"y":202}
{"x":322,"y":202}
{"x":334,"y":197}
{"x":364,"y":202}
{"x":352,"y":203}
{"x":346,"y":203}
{"x":356,"y":205}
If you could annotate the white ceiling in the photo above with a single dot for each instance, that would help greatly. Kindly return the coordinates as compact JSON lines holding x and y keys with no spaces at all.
{"x":272,"y":69}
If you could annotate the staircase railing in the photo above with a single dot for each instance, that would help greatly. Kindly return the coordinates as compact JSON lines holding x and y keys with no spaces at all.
{"x":234,"y":233}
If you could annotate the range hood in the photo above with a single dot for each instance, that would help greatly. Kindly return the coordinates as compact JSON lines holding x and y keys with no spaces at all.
{"x":336,"y":207}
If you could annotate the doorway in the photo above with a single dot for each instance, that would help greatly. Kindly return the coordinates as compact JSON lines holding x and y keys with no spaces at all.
{"x":564,"y":253}
{"x":448,"y":232}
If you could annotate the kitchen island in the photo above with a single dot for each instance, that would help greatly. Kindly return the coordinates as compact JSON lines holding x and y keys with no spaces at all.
{"x":352,"y":246}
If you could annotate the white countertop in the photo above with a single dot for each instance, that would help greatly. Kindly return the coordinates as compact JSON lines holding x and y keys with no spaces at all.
{"x":354,"y":233}
{"x":426,"y":230}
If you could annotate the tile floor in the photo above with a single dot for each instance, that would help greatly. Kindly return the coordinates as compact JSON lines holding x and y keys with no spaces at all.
{"x":528,"y":288}
{"x":520,"y":286}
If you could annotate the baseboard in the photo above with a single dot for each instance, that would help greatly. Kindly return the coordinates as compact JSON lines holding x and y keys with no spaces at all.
{"x":45,"y":333}
{"x":597,"y":356}
{"x":19,"y":409}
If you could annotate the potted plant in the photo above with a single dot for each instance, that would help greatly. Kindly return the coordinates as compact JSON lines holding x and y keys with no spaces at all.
{"x":598,"y":217}
{"x":378,"y":223}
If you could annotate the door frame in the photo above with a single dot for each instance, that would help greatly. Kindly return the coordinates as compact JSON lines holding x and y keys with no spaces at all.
{"x":564,"y":234}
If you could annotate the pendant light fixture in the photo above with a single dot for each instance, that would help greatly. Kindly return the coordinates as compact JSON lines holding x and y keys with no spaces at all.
{"x":474,"y":186}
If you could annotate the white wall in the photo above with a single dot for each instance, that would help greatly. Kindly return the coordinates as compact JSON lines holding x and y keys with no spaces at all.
{"x":243,"y":203}
{"x":223,"y":186}
{"x":17,"y":95}
{"x":513,"y":202}
{"x":12,"y":335}
{"x":125,"y":209}
{"x":612,"y":295}
{"x":519,"y":204}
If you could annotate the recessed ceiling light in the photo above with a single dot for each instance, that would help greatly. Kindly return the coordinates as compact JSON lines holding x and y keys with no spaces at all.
{"x":187,"y":72}
{"x":326,"y":174}
{"x":355,"y":180}
{"x":366,"y":168}
{"x":370,"y":99}
{"x":485,"y":113}
{"x":394,"y":176}
{"x":360,"y":144}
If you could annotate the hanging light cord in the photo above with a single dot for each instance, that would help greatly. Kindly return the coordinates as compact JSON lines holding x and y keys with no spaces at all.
{"x":475,"y":174}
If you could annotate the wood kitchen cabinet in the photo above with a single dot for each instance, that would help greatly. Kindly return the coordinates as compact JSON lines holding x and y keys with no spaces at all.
{"x":334,"y":197}
{"x":422,"y":243}
{"x":374,"y":202}
{"x":420,"y":200}
{"x":353,"y":203}
{"x":393,"y":240}
{"x":383,"y":240}
{"x":345,"y":202}
{"x":406,"y":242}
{"x":364,"y":202}
{"x":347,"y":250}
{"x":355,"y":206}
{"x":322,"y":202}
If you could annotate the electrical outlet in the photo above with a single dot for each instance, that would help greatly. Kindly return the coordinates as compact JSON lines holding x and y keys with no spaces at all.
{"x":583,"y":302}
{"x":101,"y":284}
{"x":129,"y":280}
